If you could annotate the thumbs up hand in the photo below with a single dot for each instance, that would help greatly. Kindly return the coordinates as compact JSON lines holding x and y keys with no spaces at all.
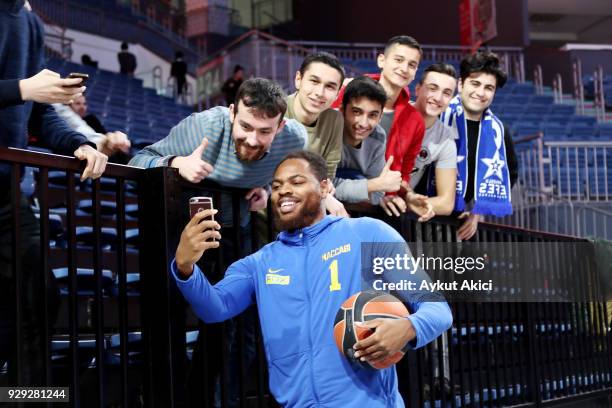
{"x":192,"y":168}
{"x":388,"y":180}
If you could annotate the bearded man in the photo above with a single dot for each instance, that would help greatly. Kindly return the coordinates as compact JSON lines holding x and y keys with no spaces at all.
{"x":298,"y":291}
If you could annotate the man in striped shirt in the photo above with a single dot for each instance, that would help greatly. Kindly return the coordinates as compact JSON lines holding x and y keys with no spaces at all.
{"x":239,"y":146}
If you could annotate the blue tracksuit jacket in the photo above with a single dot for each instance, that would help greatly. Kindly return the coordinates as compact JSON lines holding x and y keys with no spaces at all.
{"x":297,"y":297}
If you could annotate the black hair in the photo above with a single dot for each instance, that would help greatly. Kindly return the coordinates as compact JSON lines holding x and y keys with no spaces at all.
{"x":317,"y":163}
{"x":238,"y":68}
{"x":178,"y":54}
{"x":264,"y":95}
{"x":486,"y":62}
{"x":441,"y":68}
{"x":406,"y":40}
{"x":365,"y":87}
{"x":124,"y":46}
{"x":325,"y":58}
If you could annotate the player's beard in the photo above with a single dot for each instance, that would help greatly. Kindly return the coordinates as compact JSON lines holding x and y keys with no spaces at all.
{"x":310,"y":209}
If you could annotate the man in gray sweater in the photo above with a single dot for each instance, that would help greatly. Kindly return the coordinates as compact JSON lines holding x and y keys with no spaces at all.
{"x":435,"y":169}
{"x":362,"y":174}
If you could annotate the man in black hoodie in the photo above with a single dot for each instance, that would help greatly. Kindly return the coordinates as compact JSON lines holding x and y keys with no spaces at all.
{"x":21,"y":56}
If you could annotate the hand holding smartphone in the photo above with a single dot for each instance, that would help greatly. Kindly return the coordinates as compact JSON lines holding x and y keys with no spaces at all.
{"x":197,"y":238}
{"x":197,"y":204}
{"x":84,"y":78}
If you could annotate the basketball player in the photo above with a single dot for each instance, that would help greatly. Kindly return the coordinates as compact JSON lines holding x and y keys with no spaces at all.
{"x":299,"y":282}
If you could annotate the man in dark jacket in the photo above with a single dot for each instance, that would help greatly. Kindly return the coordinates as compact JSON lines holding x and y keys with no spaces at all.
{"x":21,"y":56}
{"x":231,"y":85}
{"x":127,"y":60}
{"x":178,"y":70}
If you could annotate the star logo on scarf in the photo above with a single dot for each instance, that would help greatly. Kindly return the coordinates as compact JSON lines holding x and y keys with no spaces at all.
{"x":495,"y":166}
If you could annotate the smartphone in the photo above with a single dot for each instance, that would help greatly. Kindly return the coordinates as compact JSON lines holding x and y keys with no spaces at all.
{"x":197,"y":204}
{"x":84,"y":78}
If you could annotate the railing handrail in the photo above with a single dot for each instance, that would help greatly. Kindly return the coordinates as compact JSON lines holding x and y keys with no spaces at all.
{"x":381,"y":45}
{"x":453,"y":221}
{"x":58,"y":161}
{"x":562,"y":143}
{"x":245,"y":36}
{"x":585,"y":206}
{"x":58,"y":36}
{"x":528,"y":138}
{"x":583,"y":144}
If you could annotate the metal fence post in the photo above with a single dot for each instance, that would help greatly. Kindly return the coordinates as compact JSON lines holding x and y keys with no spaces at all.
{"x":558,"y":89}
{"x":256,"y":56}
{"x":578,"y":86}
{"x":162,"y":309}
{"x":538,"y":80}
{"x":600,"y":105}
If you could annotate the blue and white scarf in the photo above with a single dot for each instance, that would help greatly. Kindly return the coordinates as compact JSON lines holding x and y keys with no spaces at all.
{"x":492,"y":178}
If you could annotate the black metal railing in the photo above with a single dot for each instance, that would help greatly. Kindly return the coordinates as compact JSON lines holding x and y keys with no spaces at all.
{"x":79,"y":337}
{"x":124,"y":333}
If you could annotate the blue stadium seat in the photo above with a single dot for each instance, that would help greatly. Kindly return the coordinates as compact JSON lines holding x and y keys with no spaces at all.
{"x":131,"y":237}
{"x":583,"y":120}
{"x":135,"y":347}
{"x":513,"y":108}
{"x":565,"y":110}
{"x":86,"y":281}
{"x":608,"y":96}
{"x":518,"y":99}
{"x":523,"y":89}
{"x":85,"y":237}
{"x":531,"y":116}
{"x":582,"y":132}
{"x":525,"y":129}
{"x":541,"y":100}
{"x":540,"y":110}
{"x":555,"y":132}
{"x":56,"y":228}
{"x":605,"y":131}
{"x":556,"y":119}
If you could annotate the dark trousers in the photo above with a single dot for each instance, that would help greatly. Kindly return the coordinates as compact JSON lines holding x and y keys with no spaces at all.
{"x":181,"y":85}
{"x":33,"y":307}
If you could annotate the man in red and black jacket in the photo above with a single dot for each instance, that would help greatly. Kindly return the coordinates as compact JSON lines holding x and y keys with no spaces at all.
{"x":402,"y":123}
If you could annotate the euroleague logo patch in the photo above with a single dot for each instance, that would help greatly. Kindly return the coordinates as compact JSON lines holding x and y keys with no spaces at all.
{"x":423,"y":154}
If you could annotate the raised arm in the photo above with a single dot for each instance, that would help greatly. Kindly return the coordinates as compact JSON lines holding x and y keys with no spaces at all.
{"x":229,"y":297}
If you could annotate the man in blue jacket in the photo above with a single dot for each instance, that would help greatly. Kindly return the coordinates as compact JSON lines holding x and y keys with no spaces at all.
{"x":299,"y":282}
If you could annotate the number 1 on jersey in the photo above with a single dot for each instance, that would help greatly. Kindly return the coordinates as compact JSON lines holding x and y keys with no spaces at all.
{"x":333,"y":271}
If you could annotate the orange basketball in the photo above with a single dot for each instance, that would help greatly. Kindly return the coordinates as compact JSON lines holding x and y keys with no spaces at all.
{"x":362,"y":307}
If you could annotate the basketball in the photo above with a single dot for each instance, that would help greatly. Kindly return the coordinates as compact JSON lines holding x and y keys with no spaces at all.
{"x":363,"y":307}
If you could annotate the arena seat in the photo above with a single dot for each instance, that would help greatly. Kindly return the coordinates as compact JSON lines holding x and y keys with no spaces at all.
{"x":553,"y":131}
{"x":86,"y":281}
